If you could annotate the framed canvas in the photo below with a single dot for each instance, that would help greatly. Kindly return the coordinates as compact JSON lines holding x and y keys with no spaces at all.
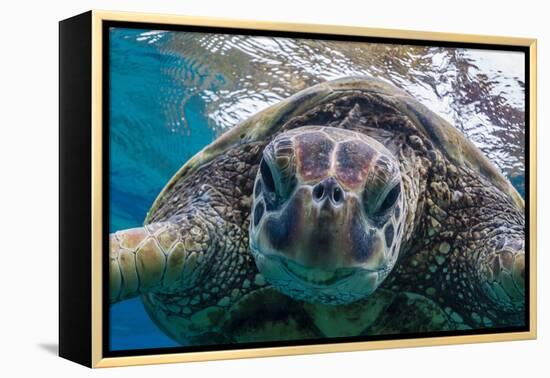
{"x":234,"y":188}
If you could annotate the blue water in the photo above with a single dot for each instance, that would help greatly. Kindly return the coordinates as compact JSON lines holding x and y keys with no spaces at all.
{"x":145,"y":151}
{"x":173,"y":93}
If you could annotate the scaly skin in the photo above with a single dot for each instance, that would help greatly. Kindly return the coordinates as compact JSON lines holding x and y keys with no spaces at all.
{"x":468,"y":247}
{"x":460,"y":266}
{"x":312,"y":245}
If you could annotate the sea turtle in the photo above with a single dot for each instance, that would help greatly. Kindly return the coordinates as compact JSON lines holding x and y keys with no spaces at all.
{"x":347,"y":209}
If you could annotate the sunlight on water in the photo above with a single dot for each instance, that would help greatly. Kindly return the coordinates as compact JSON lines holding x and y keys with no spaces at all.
{"x":172,"y":93}
{"x":481,"y":92}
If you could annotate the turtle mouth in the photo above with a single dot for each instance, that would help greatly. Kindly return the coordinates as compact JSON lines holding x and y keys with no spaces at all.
{"x":316,"y":276}
{"x":315,"y":285}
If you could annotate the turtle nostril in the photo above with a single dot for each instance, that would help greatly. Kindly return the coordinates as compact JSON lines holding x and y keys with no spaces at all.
{"x":328,"y":188}
{"x":318,"y":192}
{"x":337,"y":195}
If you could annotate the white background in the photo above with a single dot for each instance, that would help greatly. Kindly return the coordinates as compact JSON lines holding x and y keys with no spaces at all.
{"x":29,"y":189}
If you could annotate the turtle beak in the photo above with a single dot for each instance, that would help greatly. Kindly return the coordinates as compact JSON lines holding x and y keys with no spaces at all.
{"x":323,"y":227}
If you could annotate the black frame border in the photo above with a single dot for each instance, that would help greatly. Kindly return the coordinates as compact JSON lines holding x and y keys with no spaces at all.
{"x":107,"y":24}
{"x":75,"y":183}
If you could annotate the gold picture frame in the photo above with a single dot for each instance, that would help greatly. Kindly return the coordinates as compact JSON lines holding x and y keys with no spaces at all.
{"x":90,"y":328}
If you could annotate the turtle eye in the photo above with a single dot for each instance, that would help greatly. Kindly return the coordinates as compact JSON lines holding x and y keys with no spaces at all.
{"x":267,"y":176}
{"x":390,"y":200}
{"x":379,"y":203}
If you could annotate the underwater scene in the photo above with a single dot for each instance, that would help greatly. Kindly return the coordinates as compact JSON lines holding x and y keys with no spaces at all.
{"x":172,"y":93}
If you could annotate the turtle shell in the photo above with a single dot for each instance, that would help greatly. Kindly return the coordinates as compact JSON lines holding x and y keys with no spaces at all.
{"x":264,"y":124}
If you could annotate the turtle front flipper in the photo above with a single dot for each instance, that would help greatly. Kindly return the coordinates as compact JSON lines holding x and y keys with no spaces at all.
{"x":468,"y":251}
{"x":159,"y":256}
{"x":486,"y":249}
{"x":502,"y":273}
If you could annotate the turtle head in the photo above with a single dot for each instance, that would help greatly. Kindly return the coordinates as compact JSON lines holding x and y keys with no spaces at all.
{"x":327,"y":214}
